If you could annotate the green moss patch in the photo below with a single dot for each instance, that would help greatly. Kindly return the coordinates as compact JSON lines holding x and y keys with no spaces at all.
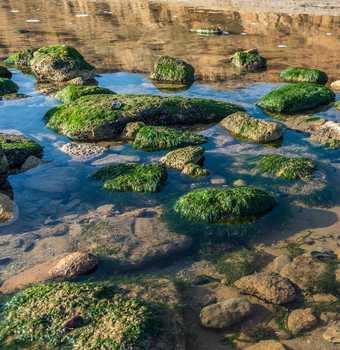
{"x":296,"y":97}
{"x":248,"y":61}
{"x":7,"y":86}
{"x":215,"y":206}
{"x":132,"y":177}
{"x":23,"y":57}
{"x":5,"y":73}
{"x":288,"y":168}
{"x":161,"y":138}
{"x":168,"y":68}
{"x":304,"y":75}
{"x":72,"y":92}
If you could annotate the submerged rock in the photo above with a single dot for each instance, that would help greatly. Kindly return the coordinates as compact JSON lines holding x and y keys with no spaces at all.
{"x":161,"y":138}
{"x":296,"y":97}
{"x":5,"y":73}
{"x":208,"y":31}
{"x":32,"y":162}
{"x":230,"y":205}
{"x":304,"y":75}
{"x":72,"y":92}
{"x":194,"y":170}
{"x":14,"y":96}
{"x":243,"y":125}
{"x":83,"y":150}
{"x":21,"y":58}
{"x":249,"y":61}
{"x":7,"y":86}
{"x":168,"y":68}
{"x":3,"y":166}
{"x":288,"y":168}
{"x":181,"y":157}
{"x":6,"y":208}
{"x":301,"y":320}
{"x":60,"y":63}
{"x":132,"y":177}
{"x":169,"y":87}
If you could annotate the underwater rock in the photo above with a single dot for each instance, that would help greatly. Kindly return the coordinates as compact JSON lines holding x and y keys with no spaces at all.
{"x":21,"y":58}
{"x":181,"y":157}
{"x":301,"y":320}
{"x":194,"y":170}
{"x":5,"y":73}
{"x":249,"y":61}
{"x":83,"y":150}
{"x":132,"y":177}
{"x":130,"y":130}
{"x":14,"y":96}
{"x":168,"y":87}
{"x":7,"y":86}
{"x":6,"y":208}
{"x":168,"y":68}
{"x":243,"y":125}
{"x":72,"y":92}
{"x":61,"y":63}
{"x":3,"y":166}
{"x":296,"y":97}
{"x":304,"y":75}
{"x":161,"y":138}
{"x":32,"y":162}
{"x":230,"y":205}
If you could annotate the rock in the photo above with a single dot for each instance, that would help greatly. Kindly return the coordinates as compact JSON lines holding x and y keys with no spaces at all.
{"x":74,"y":265}
{"x":336,"y":85}
{"x":328,"y":298}
{"x":21,"y":58}
{"x":217,"y":180}
{"x":249,"y":61}
{"x":288,"y":168}
{"x":181,"y":157}
{"x":279,"y":263}
{"x":238,"y":183}
{"x":83,"y":150}
{"x":230,"y":205}
{"x":332,"y":333}
{"x":195,"y":170}
{"x":304,"y":271}
{"x":3,"y":166}
{"x":72,"y":92}
{"x":91,"y":118}
{"x":5,"y":73}
{"x":225,"y":314}
{"x":304,"y":75}
{"x":130,"y":130}
{"x":267,"y":345}
{"x":296,"y":97}
{"x":32,"y":162}
{"x":168,"y":68}
{"x":301,"y":320}
{"x":73,"y":322}
{"x":133,"y":177}
{"x":60,"y":63}
{"x":254,"y":51}
{"x":6,"y":208}
{"x":7,"y":86}
{"x":22,"y":31}
{"x":18,"y":148}
{"x":270,"y":287}
{"x":161,"y":138}
{"x":14,"y":96}
{"x":208,"y":31}
{"x":243,"y":125}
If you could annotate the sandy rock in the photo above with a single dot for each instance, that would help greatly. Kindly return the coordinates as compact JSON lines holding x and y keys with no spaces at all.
{"x":332,"y":333}
{"x":270,"y":287}
{"x":336,"y":85}
{"x":301,"y":320}
{"x":181,"y":157}
{"x":337,"y":274}
{"x":32,"y":162}
{"x":6,"y":208}
{"x":217,"y":180}
{"x":239,"y":183}
{"x":279,"y":263}
{"x":324,"y":297}
{"x":77,"y":81}
{"x":226,"y":313}
{"x":267,"y":345}
{"x":3,"y":166}
{"x":130,"y":130}
{"x":304,"y":271}
{"x":83,"y":150}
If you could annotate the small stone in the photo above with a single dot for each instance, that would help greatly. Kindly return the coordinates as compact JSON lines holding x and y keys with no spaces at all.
{"x":332,"y":334}
{"x":217,"y":180}
{"x":32,"y":162}
{"x":336,"y":85}
{"x":239,"y":183}
{"x":301,"y":320}
{"x":73,"y":322}
{"x":267,"y":345}
{"x":6,"y":208}
{"x":284,"y":336}
{"x":324,"y":298}
{"x":194,"y":170}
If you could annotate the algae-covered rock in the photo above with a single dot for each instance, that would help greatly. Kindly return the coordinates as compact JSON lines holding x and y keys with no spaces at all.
{"x":18,"y":148}
{"x":304,"y":75}
{"x":3,"y":166}
{"x":72,"y":92}
{"x":133,"y":177}
{"x":7,"y":86}
{"x":194,"y":170}
{"x":161,"y":138}
{"x":12,"y":97}
{"x":5,"y":73}
{"x":21,"y":58}
{"x":296,"y":97}
{"x":224,"y":205}
{"x":337,"y":105}
{"x":91,"y":118}
{"x":22,"y":31}
{"x":61,"y":63}
{"x":168,"y":68}
{"x":243,"y":125}
{"x":288,"y":168}
{"x":208,"y":31}
{"x":249,"y":61}
{"x":332,"y":144}
{"x":181,"y":157}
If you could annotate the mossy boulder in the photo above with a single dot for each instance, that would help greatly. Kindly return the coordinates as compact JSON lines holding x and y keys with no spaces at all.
{"x":21,"y":58}
{"x":7,"y":86}
{"x":288,"y":168}
{"x":72,"y":92}
{"x":304,"y":75}
{"x":249,"y":61}
{"x":91,"y":118}
{"x":194,"y":170}
{"x":243,"y":125}
{"x":227,"y":206}
{"x":296,"y":97}
{"x":179,"y":158}
{"x":168,"y":68}
{"x":5,"y":73}
{"x":162,"y":138}
{"x":18,"y":148}
{"x":61,"y":63}
{"x":132,"y":177}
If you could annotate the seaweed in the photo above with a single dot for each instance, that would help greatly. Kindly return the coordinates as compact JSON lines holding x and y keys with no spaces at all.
{"x":304,"y":75}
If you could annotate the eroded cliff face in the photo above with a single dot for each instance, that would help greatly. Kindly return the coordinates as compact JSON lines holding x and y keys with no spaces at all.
{"x":120,"y":35}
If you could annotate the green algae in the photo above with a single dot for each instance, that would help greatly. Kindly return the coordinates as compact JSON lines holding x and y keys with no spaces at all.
{"x":72,"y":92}
{"x":7,"y":86}
{"x":22,"y":57}
{"x":162,"y":138}
{"x":132,"y":177}
{"x":332,"y":144}
{"x":296,"y":97}
{"x":22,"y":31}
{"x":337,"y":105}
{"x":288,"y":168}
{"x":5,"y":73}
{"x":208,"y":31}
{"x":304,"y":75}
{"x":214,"y":206}
{"x":194,"y":170}
{"x":248,"y":61}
